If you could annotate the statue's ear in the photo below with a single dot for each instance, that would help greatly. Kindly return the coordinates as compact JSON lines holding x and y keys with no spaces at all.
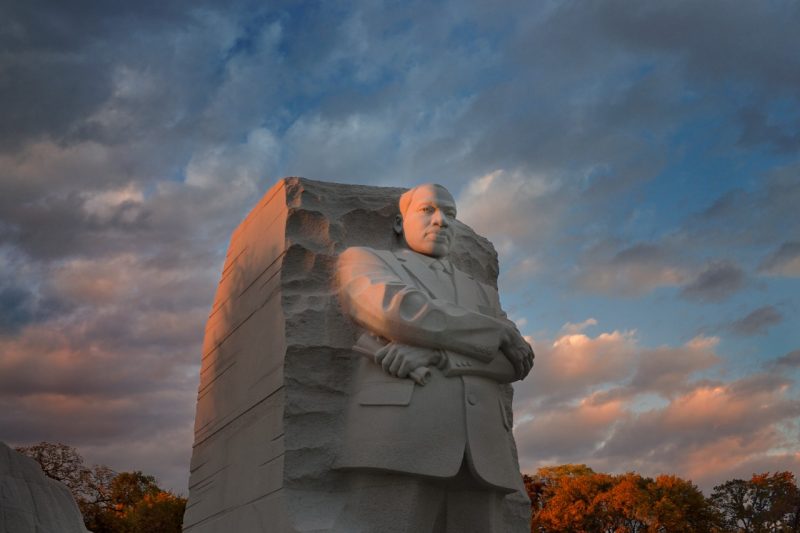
{"x":398,"y":224}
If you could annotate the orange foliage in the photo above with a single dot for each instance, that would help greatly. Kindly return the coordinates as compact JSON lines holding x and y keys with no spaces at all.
{"x":574,"y":498}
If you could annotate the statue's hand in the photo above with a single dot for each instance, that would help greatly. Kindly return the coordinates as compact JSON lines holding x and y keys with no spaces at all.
{"x":400,"y":360}
{"x":517,"y":351}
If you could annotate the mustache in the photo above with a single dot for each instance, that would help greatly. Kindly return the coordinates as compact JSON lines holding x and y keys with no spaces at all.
{"x":436,"y":232}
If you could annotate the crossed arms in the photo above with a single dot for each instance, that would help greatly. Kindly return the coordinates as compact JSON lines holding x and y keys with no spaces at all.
{"x":419,"y":326}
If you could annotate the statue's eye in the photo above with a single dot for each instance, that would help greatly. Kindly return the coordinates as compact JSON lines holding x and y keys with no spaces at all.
{"x":427,"y":209}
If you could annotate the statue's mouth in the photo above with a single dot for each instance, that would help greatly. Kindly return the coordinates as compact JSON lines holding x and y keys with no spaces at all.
{"x":439,"y":235}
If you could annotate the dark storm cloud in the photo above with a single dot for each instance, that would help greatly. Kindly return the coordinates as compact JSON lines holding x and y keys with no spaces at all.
{"x":717,"y":282}
{"x":757,"y":322}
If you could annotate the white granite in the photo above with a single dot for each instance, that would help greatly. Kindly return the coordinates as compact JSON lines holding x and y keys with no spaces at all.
{"x":278,"y":363}
{"x":31,"y":502}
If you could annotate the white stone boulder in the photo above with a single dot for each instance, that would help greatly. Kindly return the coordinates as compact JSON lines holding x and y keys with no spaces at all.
{"x":31,"y":502}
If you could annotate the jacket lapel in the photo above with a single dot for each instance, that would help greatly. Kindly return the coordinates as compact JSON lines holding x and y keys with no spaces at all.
{"x":467,"y":292}
{"x":421,"y":272}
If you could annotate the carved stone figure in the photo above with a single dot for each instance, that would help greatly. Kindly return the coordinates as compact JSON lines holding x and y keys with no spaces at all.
{"x":426,"y":431}
{"x":285,"y":438}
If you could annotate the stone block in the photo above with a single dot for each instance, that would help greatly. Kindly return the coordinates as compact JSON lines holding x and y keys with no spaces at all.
{"x":277,"y":360}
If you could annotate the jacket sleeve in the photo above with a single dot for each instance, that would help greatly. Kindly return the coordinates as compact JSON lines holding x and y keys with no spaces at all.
{"x":378,"y":299}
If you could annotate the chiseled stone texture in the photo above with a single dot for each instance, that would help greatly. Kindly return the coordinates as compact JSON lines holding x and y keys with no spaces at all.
{"x":277,"y":360}
{"x":31,"y":502}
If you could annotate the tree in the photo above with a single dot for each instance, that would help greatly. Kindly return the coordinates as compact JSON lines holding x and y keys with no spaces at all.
{"x":764,"y":503}
{"x":97,"y":496}
{"x":161,"y":511}
{"x":569,"y":499}
{"x":60,"y":462}
{"x":678,"y":505}
{"x":575,"y":498}
{"x":125,"y":502}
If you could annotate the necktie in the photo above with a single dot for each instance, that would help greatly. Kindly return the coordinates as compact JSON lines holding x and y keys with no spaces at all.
{"x":445,"y":281}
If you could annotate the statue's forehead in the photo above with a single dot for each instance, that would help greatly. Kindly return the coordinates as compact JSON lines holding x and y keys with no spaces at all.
{"x":432,"y":195}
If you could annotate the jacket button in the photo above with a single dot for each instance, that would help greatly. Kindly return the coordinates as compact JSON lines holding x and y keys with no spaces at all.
{"x":472,"y":399}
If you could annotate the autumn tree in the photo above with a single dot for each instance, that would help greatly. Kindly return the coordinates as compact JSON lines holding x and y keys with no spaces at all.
{"x":678,"y":505}
{"x":575,"y":498}
{"x":60,"y":462}
{"x":111,"y":502}
{"x":764,"y":503}
{"x":569,"y":499}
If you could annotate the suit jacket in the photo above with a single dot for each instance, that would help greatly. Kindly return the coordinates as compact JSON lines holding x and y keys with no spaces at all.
{"x":394,"y":425}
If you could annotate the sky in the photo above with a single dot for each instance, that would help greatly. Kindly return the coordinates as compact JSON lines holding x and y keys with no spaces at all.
{"x":636,"y":164}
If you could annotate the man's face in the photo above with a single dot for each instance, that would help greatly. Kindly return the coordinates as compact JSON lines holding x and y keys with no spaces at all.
{"x":427,"y":223}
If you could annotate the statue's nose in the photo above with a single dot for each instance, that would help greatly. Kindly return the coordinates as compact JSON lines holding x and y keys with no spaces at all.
{"x":440,"y":218}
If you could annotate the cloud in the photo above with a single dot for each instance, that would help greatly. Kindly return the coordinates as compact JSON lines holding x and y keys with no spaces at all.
{"x":667,"y":370}
{"x":631,"y":271}
{"x":657,"y":410}
{"x":575,"y":365}
{"x":574,"y":431}
{"x":247,"y":164}
{"x":114,"y":367}
{"x":571,"y":329}
{"x":757,"y":322}
{"x":790,"y":360}
{"x":762,"y":214}
{"x":530,"y":207}
{"x":715,"y":283}
{"x":136,"y":136}
{"x":709,"y":430}
{"x":16,"y":308}
{"x":785,"y":261}
{"x":22,"y":298}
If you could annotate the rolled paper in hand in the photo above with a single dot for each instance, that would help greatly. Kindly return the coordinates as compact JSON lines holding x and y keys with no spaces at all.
{"x":420,"y":375}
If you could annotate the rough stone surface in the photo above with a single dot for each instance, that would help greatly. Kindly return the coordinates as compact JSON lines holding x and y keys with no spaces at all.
{"x":278,"y":360}
{"x":31,"y":502}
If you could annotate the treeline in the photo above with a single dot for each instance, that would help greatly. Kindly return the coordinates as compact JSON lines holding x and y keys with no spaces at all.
{"x":566,"y":498}
{"x":574,"y":498}
{"x":111,"y":502}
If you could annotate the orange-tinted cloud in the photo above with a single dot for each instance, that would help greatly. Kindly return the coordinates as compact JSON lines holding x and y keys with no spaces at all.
{"x":615,"y":405}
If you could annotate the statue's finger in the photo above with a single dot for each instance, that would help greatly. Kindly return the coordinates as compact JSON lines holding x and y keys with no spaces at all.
{"x":404,"y":369}
{"x":387,"y":361}
{"x":395,"y":366}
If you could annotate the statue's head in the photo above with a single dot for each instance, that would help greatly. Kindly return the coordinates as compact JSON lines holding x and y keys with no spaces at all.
{"x":426,"y":219}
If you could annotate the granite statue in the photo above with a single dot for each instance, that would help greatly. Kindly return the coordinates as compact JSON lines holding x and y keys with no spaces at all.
{"x":303,"y":403}
{"x":427,"y":438}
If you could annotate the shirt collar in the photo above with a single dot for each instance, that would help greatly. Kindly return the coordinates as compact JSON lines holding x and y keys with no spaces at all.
{"x":431,"y":261}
